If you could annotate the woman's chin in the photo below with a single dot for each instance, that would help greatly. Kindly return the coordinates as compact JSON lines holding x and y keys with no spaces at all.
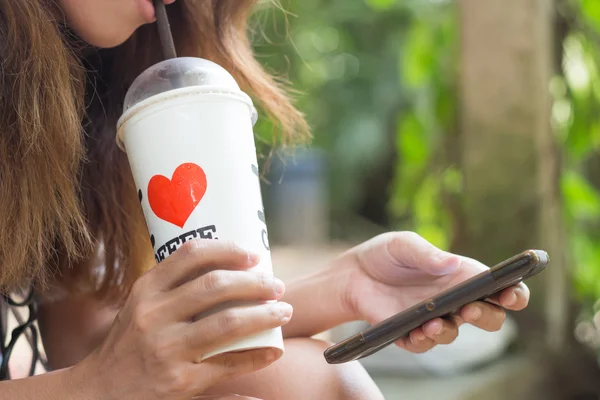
{"x":106,"y":39}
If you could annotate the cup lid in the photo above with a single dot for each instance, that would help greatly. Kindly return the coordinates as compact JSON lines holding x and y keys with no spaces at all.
{"x":178,"y":73}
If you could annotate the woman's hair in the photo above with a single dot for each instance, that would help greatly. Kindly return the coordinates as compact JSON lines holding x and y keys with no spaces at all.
{"x":67,"y":197}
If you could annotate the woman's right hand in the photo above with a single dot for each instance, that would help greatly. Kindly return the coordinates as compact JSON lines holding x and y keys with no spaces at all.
{"x":154,"y":347}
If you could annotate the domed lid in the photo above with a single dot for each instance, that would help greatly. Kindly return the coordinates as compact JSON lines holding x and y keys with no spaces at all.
{"x":178,"y":73}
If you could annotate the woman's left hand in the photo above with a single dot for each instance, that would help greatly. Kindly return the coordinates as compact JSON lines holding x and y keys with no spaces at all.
{"x":396,"y":270}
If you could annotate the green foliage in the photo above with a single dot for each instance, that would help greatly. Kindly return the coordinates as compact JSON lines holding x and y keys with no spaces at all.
{"x":341,"y":58}
{"x":375,"y":80}
{"x":590,"y":12}
{"x":576,"y":120}
{"x":581,"y":199}
{"x":426,"y":70}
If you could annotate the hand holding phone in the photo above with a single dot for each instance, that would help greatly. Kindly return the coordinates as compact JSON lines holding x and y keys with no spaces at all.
{"x":480,"y":287}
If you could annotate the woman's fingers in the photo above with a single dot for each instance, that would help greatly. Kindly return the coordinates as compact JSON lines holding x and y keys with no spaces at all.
{"x":225,"y":366}
{"x":232,"y":324}
{"x":486,"y":316}
{"x":416,"y":342}
{"x":434,"y":332}
{"x":483,"y":315}
{"x":514,"y":298}
{"x":194,"y":258}
{"x":441,"y":331}
{"x":218,"y":287}
{"x":163,"y":355}
{"x":410,"y":250}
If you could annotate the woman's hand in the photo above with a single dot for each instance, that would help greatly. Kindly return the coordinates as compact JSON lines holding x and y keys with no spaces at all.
{"x":397,"y":270}
{"x":154,"y":348}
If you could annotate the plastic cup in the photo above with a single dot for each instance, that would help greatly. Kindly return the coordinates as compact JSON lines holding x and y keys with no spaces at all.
{"x":187,"y":129}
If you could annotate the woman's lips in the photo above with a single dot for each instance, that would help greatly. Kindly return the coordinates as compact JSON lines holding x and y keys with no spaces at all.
{"x":147,"y":9}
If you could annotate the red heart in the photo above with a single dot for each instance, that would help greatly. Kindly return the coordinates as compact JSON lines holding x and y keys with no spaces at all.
{"x":174,"y":200}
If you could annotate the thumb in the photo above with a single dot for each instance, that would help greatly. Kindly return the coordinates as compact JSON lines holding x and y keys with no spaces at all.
{"x":410,"y":250}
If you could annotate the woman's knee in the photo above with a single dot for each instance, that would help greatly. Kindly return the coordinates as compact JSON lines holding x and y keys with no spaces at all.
{"x":302,"y":373}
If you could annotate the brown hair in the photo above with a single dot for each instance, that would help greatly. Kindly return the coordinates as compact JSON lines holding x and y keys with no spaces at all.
{"x":66,"y":191}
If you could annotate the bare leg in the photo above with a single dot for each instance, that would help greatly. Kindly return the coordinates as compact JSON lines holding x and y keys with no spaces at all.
{"x":303,"y":374}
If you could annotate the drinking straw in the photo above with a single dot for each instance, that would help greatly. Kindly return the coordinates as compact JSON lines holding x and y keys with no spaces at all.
{"x":164,"y":30}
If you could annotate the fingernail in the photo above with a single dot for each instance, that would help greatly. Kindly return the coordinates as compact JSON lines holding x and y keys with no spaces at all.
{"x":419,"y":337}
{"x":512,"y":299}
{"x":271,"y":356}
{"x":439,"y":329}
{"x":279,"y":286}
{"x":476,"y":313}
{"x":284,"y":311}
{"x":253,"y":258}
{"x":449,"y":262}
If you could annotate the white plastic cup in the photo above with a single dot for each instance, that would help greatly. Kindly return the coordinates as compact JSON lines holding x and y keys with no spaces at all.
{"x":187,"y":129}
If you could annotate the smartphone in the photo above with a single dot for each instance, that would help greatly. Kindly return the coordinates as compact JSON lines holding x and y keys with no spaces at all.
{"x":479,"y":287}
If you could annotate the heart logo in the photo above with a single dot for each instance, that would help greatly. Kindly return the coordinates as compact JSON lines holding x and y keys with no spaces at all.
{"x":174,"y":200}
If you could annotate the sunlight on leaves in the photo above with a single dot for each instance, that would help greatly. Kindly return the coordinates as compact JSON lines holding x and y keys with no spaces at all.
{"x":381,"y":5}
{"x":581,"y":199}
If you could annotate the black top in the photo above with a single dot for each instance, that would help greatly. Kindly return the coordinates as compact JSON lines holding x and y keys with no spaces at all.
{"x":3,"y":332}
{"x":3,"y":321}
{"x":25,"y":330}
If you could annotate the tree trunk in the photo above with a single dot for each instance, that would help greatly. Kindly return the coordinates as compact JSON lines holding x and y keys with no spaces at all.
{"x":508,"y":155}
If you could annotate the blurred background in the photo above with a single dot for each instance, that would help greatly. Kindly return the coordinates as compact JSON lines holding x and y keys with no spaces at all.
{"x":475,"y":123}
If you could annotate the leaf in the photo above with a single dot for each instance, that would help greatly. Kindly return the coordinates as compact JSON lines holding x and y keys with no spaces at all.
{"x":586,"y":253}
{"x":581,"y":199}
{"x":413,"y":154}
{"x":429,"y":217}
{"x":591,"y":11}
{"x":417,"y":61}
{"x":413,"y":147}
{"x":381,"y":5}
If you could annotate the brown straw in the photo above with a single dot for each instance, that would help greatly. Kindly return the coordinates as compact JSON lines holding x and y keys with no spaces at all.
{"x":164,"y":30}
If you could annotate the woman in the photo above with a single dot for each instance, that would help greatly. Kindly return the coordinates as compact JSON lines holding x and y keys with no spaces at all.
{"x":73,"y":230}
